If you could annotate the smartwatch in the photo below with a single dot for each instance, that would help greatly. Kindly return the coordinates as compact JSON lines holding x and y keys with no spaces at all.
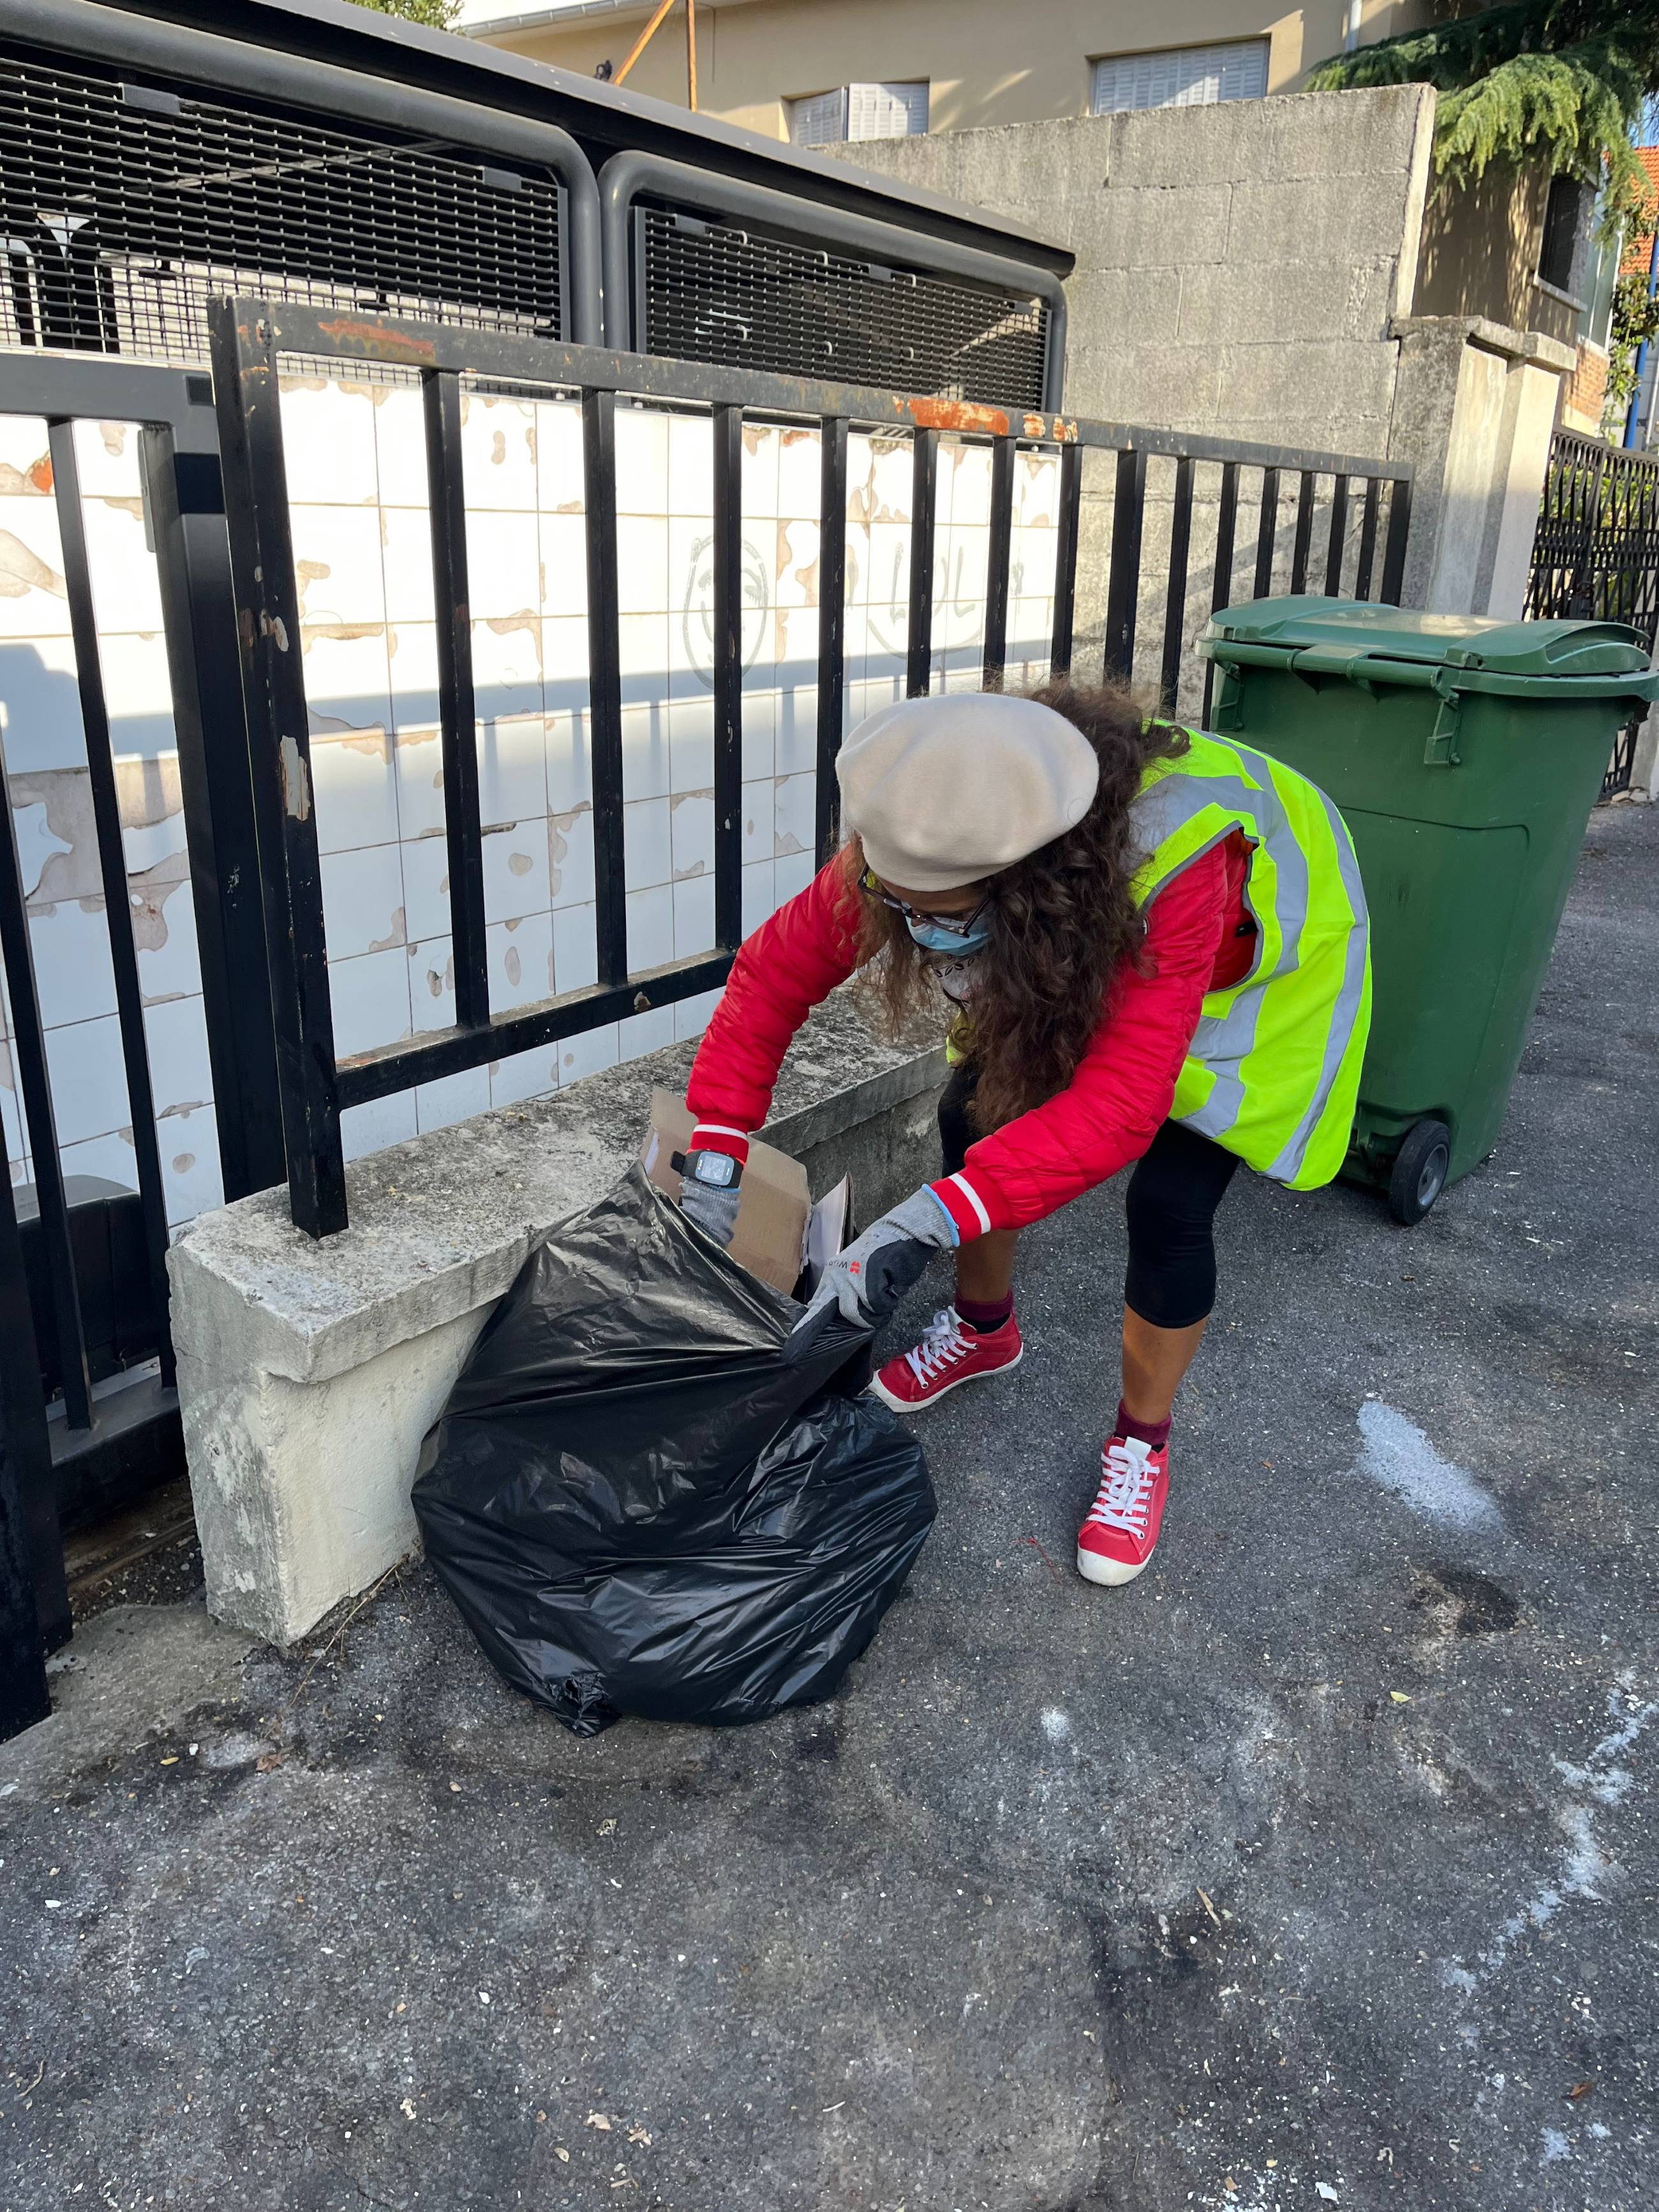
{"x":716,"y":1170}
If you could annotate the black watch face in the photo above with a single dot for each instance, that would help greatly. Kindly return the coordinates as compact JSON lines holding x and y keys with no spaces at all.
{"x":718,"y":1170}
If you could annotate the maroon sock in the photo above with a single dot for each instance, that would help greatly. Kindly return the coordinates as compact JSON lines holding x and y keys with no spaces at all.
{"x":984,"y":1314}
{"x":1155,"y":1433}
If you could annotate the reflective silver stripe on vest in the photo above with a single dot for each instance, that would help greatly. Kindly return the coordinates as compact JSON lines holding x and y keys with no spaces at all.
{"x":1346,"y":1012}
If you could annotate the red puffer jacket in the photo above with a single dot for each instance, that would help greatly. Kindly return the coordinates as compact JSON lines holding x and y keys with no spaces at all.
{"x":1198,"y":933}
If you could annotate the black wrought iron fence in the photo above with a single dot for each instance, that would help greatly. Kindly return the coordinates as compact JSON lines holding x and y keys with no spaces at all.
{"x":1362,"y":507}
{"x":1596,"y":554}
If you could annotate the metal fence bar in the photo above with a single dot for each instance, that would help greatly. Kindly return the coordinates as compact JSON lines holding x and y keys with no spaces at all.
{"x":832,"y":628}
{"x":245,"y":394}
{"x":605,"y":682}
{"x":1394,"y":545}
{"x":1067,"y":520}
{"x":29,"y":1049}
{"x":112,"y":868}
{"x":544,"y":361}
{"x":1362,"y":586}
{"x":1303,"y":541}
{"x":1267,"y":533}
{"x":451,"y":596}
{"x":24,"y":1698}
{"x":728,"y":677}
{"x":34,"y":1605}
{"x":1221,"y":590}
{"x":1123,"y":583}
{"x":387,"y":1068}
{"x":924,"y":488}
{"x":1175,"y":598}
{"x":1337,"y":546}
{"x":23,"y":1419}
{"x":32,"y":1621}
{"x":1000,"y":559}
{"x":1226,"y":530}
{"x":186,"y":504}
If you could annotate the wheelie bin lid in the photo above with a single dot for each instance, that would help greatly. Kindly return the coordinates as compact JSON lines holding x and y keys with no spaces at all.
{"x":1369,"y":642}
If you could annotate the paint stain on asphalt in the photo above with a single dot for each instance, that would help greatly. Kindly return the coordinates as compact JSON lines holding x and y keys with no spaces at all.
{"x":1401,"y":1458}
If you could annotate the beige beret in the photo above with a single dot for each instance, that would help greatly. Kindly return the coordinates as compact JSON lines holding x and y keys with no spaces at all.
{"x":945,"y":790}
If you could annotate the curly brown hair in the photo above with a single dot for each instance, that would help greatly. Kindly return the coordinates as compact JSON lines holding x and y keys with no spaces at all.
{"x":1061,"y":921}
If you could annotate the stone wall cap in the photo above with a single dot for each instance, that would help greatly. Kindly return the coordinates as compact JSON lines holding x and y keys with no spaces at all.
{"x":1531,"y":348}
{"x":441,"y":1223}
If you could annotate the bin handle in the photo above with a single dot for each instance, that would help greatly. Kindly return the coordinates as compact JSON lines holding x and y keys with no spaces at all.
{"x":1360,"y":668}
{"x":1441,"y":750}
{"x":1356,"y":665}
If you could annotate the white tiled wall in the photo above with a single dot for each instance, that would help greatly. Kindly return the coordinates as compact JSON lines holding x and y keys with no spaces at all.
{"x":357,"y":483}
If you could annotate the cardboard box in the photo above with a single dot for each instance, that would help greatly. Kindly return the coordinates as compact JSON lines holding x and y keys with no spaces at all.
{"x":781,"y":1235}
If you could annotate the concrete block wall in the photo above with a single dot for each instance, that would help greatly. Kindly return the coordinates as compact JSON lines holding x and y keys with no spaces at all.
{"x":1238,"y":266}
{"x":1239,"y":270}
{"x":1248,"y":272}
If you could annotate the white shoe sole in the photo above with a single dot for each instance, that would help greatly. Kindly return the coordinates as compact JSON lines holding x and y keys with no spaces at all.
{"x":1112,"y":1574}
{"x":927,"y":1404}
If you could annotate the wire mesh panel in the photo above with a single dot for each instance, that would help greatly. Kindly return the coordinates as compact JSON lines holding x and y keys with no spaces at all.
{"x":711,"y":292}
{"x":124,"y":207}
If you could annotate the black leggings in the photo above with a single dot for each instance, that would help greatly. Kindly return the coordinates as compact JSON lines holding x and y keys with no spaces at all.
{"x":1170,"y":1208}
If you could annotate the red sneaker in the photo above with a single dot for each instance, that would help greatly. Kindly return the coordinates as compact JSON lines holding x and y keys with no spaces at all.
{"x":949,"y":1354}
{"x":1117,"y":1540}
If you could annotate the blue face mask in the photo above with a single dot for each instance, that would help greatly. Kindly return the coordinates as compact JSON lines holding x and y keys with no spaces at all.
{"x":933,"y":936}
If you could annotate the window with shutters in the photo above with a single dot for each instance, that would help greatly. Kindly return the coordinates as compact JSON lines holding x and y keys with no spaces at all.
{"x":1181,"y":77}
{"x":1566,"y":215}
{"x":860,"y":111}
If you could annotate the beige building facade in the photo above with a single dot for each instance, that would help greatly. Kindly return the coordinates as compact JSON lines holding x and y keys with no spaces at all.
{"x":775,"y":66}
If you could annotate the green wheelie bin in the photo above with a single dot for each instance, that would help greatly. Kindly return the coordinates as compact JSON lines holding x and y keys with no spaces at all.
{"x":1465,"y":754}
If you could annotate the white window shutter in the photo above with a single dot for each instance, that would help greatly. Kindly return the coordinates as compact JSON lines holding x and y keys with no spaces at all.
{"x":1181,"y":77}
{"x":886,"y":110}
{"x":820,"y":119}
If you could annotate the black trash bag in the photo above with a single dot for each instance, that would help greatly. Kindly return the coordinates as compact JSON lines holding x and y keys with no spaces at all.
{"x":641,"y":1505}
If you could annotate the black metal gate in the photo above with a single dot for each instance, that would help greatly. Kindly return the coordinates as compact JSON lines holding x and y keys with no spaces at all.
{"x":1595,"y":554}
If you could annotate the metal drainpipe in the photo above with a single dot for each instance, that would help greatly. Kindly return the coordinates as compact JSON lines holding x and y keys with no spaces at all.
{"x":1633,"y":421}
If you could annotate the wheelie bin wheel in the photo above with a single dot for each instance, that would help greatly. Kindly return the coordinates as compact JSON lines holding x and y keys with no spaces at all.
{"x":1419,"y":1174}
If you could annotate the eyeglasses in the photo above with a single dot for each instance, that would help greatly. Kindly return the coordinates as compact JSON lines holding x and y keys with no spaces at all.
{"x":959,"y":924}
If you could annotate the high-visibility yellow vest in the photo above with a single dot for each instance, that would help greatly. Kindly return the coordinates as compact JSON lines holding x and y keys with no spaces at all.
{"x":1273,"y":1068}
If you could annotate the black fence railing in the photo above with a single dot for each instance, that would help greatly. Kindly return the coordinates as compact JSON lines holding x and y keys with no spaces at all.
{"x":251,"y":338}
{"x":83,"y":1299}
{"x":1596,"y":554}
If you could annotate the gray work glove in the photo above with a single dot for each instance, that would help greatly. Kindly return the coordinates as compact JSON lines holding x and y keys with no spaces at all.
{"x":868,"y":1280}
{"x":714,"y":1211}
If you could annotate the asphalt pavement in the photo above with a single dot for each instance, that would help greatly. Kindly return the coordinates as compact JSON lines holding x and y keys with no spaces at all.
{"x":1316,"y":1868}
